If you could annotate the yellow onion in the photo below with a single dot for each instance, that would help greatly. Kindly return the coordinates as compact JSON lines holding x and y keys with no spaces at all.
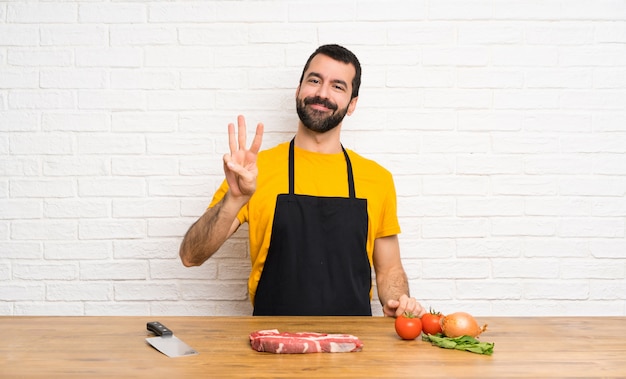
{"x":461,"y":324}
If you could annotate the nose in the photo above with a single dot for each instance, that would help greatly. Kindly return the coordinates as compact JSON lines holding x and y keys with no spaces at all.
{"x":322,"y":91}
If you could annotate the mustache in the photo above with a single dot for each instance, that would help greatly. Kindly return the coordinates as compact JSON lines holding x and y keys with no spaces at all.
{"x":318,"y":100}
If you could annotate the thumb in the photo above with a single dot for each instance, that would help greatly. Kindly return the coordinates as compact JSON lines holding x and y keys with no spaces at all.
{"x":390,"y":308}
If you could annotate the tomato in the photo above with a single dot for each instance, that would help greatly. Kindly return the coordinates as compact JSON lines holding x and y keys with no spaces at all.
{"x":408,"y":326}
{"x":431,"y":322}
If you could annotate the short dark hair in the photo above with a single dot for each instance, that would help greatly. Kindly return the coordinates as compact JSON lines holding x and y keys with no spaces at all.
{"x":341,"y":54}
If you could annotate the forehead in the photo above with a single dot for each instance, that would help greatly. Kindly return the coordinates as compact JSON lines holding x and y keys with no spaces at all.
{"x":331,"y":69}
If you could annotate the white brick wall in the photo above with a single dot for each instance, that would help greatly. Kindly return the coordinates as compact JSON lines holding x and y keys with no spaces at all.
{"x":504,"y":123}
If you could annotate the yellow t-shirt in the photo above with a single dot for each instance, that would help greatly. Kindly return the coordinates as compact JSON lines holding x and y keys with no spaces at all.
{"x":316,"y":174}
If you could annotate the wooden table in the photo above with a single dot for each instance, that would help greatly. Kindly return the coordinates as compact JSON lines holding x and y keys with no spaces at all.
{"x":101,"y":347}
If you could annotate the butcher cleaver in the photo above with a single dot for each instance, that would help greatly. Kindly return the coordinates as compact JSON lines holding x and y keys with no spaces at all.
{"x":166,"y":342}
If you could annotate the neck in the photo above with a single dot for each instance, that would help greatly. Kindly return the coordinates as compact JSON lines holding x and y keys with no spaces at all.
{"x":326,"y":143}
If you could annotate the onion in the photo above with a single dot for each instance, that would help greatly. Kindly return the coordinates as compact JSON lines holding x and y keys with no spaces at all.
{"x":461,"y":324}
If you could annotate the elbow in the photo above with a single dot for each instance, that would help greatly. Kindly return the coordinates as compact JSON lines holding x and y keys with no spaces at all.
{"x":186,"y":259}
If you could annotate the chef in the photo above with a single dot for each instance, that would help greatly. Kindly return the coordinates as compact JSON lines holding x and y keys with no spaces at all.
{"x":320,"y":216}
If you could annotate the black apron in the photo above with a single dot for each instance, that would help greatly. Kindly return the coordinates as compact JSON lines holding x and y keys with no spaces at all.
{"x":317,"y":259}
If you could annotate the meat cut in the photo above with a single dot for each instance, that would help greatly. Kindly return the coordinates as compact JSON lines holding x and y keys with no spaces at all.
{"x":273,"y":341}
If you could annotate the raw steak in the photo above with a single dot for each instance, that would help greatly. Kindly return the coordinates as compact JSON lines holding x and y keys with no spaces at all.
{"x":272,"y":341}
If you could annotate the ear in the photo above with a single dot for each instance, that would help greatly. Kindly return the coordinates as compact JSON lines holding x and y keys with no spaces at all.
{"x":352,"y":105}
{"x":297,"y":91}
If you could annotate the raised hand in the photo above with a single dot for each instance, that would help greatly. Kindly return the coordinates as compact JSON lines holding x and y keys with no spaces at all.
{"x":240,"y":165}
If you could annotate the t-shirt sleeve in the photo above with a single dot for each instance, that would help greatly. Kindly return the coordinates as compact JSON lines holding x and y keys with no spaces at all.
{"x":389,"y":212}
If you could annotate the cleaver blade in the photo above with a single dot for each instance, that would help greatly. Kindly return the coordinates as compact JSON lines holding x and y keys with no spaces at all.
{"x":166,"y":342}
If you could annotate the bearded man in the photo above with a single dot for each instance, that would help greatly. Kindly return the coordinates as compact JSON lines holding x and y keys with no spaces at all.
{"x":320,"y":216}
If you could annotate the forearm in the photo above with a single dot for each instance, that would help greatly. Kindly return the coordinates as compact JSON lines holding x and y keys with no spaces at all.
{"x":209,"y":232}
{"x":391,"y":285}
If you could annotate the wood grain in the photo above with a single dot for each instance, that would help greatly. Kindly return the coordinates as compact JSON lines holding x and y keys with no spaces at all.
{"x":105,"y":347}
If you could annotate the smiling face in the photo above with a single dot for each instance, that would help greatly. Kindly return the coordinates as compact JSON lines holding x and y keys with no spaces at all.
{"x":324,"y":96}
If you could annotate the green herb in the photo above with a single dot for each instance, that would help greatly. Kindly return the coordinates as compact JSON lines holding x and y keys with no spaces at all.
{"x":466,"y":343}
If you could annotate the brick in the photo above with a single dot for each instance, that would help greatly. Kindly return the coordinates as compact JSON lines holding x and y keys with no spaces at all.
{"x":41,"y":99}
{"x":491,"y":290}
{"x":457,"y":228}
{"x":111,"y":100}
{"x":34,"y":144}
{"x":76,"y":78}
{"x":592,"y":269}
{"x":21,"y":250}
{"x":146,"y":249}
{"x":19,"y":35}
{"x":218,"y":35}
{"x":223,"y":290}
{"x":143,"y":122}
{"x":115,"y":143}
{"x":76,"y":122}
{"x":19,"y":167}
{"x":121,"y":308}
{"x":117,"y":57}
{"x":126,"y":13}
{"x":591,"y":227}
{"x":145,"y":291}
{"x":145,"y":208}
{"x":20,"y":209}
{"x":492,"y":206}
{"x":113,"y":270}
{"x":74,"y":35}
{"x":76,"y":208}
{"x":111,"y":187}
{"x":180,"y":100}
{"x":167,"y":227}
{"x":178,"y":56}
{"x":19,"y":121}
{"x":488,"y":248}
{"x":144,"y":166}
{"x":77,"y":250}
{"x":111,"y":229}
{"x":143,"y":79}
{"x":556,"y":290}
{"x":607,"y":248}
{"x":22,"y":291}
{"x":455,"y":56}
{"x":555,"y":247}
{"x":518,"y":269}
{"x":44,"y":230}
{"x":49,"y":188}
{"x":458,"y":269}
{"x":174,"y":269}
{"x":75,"y":166}
{"x":557,"y":206}
{"x":70,"y":291}
{"x":407,"y":10}
{"x":49,"y":57}
{"x":182,"y":12}
{"x":45,"y":271}
{"x":44,"y":13}
{"x":223,"y":79}
{"x":19,"y":79}
{"x":524,"y":185}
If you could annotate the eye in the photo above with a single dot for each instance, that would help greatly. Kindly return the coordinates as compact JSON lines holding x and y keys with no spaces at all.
{"x":339,"y":87}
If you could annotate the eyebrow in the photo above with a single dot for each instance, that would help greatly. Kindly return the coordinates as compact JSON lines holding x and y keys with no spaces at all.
{"x":337,"y":81}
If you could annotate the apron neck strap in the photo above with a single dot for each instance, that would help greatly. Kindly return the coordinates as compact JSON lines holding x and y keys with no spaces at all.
{"x":352,"y":192}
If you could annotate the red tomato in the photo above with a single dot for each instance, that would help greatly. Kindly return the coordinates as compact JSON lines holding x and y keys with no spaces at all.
{"x":408,"y":326}
{"x":431,"y":322}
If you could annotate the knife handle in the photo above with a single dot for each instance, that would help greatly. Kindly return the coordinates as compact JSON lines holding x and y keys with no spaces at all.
{"x":159,"y":329}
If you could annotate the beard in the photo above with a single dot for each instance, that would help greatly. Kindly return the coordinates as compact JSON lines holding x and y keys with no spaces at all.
{"x":315,"y":120}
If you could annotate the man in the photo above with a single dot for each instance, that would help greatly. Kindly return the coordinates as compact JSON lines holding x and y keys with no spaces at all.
{"x":319,"y":216}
